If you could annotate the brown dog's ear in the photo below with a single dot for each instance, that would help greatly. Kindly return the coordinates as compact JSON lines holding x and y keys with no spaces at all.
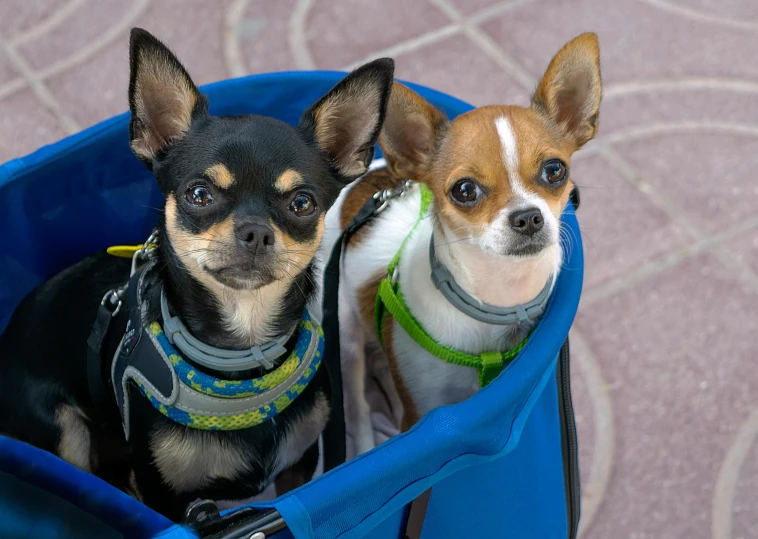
{"x":570,"y":92}
{"x":162,"y":97}
{"x":411,"y":132}
{"x":345,"y":123}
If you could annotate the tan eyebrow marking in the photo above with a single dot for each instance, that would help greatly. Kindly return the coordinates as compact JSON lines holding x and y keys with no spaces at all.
{"x":220,"y":175}
{"x":288,"y":180}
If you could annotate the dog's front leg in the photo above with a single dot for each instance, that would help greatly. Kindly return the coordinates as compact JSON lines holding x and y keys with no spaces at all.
{"x":299,"y":473}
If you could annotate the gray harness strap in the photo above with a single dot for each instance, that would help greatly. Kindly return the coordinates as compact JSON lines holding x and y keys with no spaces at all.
{"x":478,"y":310}
{"x":140,"y":357}
{"x":217,"y":358}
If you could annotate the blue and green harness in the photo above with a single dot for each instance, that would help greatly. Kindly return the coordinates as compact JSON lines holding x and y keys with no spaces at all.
{"x":148,"y":358}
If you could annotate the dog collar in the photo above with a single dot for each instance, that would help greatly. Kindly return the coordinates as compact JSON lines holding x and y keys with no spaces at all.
{"x":218,"y":358}
{"x":390,"y":298}
{"x":478,"y":310}
{"x":145,"y":358}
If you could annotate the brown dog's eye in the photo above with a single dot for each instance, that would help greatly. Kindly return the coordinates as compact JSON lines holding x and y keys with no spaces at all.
{"x":554,"y":172}
{"x":302,"y":205}
{"x":465,"y":191}
{"x":199,"y":196}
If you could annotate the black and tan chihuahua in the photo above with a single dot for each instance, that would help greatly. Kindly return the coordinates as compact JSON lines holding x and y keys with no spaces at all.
{"x":232,"y":267}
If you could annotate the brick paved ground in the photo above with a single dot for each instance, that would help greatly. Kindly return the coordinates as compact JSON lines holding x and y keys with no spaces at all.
{"x":665,"y":341}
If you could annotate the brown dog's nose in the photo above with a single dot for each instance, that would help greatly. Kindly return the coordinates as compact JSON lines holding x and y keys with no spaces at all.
{"x":255,"y":236}
{"x":527,"y":222}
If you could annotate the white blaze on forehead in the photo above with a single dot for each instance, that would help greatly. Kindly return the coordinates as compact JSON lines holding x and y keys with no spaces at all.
{"x":523,"y":197}
{"x":510,"y":154}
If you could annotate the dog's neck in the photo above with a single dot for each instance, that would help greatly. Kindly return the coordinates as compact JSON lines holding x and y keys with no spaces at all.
{"x":228,"y":318}
{"x":502,"y":281}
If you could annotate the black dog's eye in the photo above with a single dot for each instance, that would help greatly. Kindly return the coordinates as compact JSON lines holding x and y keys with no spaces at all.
{"x":554,"y":172}
{"x":199,"y":196}
{"x":465,"y":191}
{"x":302,"y":205}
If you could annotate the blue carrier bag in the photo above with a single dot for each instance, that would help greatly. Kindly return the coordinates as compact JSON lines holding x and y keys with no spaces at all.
{"x":502,"y":464}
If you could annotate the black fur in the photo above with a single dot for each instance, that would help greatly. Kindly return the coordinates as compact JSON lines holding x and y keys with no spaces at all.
{"x":43,"y":351}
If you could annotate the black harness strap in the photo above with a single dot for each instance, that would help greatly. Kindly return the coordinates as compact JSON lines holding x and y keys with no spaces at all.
{"x":334,"y":433}
{"x":109,"y":308}
{"x":416,"y":515}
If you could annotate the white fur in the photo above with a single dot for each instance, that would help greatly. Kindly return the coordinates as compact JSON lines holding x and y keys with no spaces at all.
{"x":482,"y":272}
{"x":524,"y":197}
{"x":74,"y":442}
{"x":191,"y":460}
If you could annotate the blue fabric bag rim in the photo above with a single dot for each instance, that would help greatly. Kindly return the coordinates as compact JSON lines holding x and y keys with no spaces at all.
{"x":530,"y":371}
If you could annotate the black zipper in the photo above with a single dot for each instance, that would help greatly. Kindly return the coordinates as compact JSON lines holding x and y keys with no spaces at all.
{"x":570,"y":444}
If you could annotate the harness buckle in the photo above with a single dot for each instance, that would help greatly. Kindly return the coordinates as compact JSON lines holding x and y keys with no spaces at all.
{"x":144,"y":252}
{"x":385,"y":195}
{"x":204,"y":518}
{"x":112,"y":301}
{"x":395,"y":276}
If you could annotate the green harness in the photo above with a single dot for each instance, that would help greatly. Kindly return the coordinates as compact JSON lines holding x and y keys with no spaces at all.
{"x":390,"y":297}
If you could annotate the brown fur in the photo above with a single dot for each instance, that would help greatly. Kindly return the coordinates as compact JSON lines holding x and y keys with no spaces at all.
{"x":407,"y":140}
{"x":360,"y":192}
{"x":366,"y":300}
{"x":573,"y":77}
{"x":419,"y":143}
{"x":221,"y":176}
{"x":199,"y":252}
{"x":247,"y":313}
{"x":295,"y":254}
{"x":288,"y":181}
{"x":472,"y":148}
{"x":343,"y":152}
{"x":165,"y":100}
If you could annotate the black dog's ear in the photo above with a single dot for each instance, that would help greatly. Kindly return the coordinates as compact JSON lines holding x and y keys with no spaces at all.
{"x":346,"y":122}
{"x":162,"y":97}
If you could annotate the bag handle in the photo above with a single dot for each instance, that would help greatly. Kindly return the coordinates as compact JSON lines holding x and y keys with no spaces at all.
{"x":244,"y":523}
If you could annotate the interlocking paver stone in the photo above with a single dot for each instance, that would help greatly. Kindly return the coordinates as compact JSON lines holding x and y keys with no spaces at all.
{"x":664,"y":363}
{"x":455,"y":65}
{"x":340,"y":33}
{"x":714,"y":190}
{"x":25,"y":125}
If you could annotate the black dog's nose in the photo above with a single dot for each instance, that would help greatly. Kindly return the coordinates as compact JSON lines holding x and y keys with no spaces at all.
{"x":255,"y":236}
{"x":527,"y":222}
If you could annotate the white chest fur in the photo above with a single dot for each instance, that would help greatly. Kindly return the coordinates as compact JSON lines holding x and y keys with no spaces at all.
{"x":430,"y":381}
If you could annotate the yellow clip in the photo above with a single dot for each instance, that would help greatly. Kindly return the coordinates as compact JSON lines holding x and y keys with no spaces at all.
{"x":125,"y":251}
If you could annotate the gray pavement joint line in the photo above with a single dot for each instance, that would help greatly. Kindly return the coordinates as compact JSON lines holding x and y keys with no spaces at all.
{"x":654,"y":267}
{"x":627,"y":171}
{"x":298,"y":43}
{"x":434,"y":36}
{"x":53,"y":20}
{"x":113,"y":32}
{"x":487,"y":45}
{"x":409,"y":45}
{"x":603,"y":452}
{"x":490,"y":12}
{"x":706,"y":18}
{"x":729,"y":476}
{"x":235,"y":62}
{"x":39,"y":89}
{"x":597,"y":293}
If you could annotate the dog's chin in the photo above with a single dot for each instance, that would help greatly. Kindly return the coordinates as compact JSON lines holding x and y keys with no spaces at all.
{"x":527,"y":249}
{"x":241,"y":278}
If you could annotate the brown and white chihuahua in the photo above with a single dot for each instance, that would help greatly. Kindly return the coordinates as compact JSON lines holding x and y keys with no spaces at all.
{"x":500,"y":181}
{"x":246,"y":198}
